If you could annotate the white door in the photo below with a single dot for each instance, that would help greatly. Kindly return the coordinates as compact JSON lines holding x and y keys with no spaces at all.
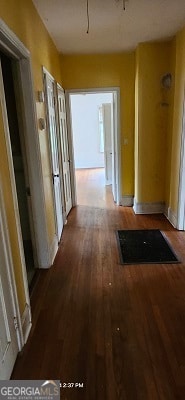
{"x":8,"y":335}
{"x":107,"y":130}
{"x":65,"y":149}
{"x":56,"y":176}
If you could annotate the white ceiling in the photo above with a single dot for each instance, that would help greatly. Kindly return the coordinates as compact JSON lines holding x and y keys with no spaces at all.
{"x":111,"y":28}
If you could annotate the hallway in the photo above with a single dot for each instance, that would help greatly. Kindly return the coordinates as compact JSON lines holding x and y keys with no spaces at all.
{"x":117,"y":329}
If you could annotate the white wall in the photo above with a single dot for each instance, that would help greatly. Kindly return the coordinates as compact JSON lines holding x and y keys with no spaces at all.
{"x":86,"y":141}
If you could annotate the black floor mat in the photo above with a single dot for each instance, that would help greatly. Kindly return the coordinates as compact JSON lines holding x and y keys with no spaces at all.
{"x":144,"y":247}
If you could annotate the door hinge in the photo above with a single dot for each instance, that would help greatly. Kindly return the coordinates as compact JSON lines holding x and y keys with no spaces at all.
{"x":15,"y":323}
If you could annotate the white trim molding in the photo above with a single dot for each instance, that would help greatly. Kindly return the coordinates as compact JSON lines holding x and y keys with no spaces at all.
{"x":172,"y":217}
{"x":127,"y":201}
{"x":10,"y":42}
{"x":26,"y":322}
{"x":53,"y":249}
{"x":149,"y":208}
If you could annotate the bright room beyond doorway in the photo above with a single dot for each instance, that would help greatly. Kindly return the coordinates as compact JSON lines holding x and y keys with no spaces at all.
{"x":92,"y":131}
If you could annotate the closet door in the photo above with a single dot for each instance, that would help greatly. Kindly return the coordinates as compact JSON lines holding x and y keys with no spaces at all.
{"x":64,"y":149}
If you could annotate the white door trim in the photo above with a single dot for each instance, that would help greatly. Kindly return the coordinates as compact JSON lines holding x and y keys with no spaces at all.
{"x":115,"y":90}
{"x":10,"y":270}
{"x":16,"y":50}
{"x":181,"y":197}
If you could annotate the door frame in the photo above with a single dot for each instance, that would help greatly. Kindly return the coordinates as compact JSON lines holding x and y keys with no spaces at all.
{"x":116,"y":125}
{"x":15,"y":49}
{"x":181,"y":193}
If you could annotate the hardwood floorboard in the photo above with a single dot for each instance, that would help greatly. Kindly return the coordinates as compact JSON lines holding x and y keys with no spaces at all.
{"x":119,"y":330}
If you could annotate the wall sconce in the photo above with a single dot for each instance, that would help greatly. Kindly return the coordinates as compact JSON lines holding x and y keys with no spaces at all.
{"x":166,"y":81}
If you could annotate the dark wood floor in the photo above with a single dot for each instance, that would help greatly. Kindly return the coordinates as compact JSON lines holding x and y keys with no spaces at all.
{"x":119,"y":330}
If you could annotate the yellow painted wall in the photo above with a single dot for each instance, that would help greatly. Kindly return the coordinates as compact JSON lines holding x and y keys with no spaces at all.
{"x":137,"y":120}
{"x":172,"y":63}
{"x":152,"y":112}
{"x":22,"y":18}
{"x":179,"y":62}
{"x":96,"y":71}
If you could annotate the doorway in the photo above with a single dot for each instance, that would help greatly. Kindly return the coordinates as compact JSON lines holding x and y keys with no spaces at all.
{"x":19,"y":165}
{"x":92,"y":113}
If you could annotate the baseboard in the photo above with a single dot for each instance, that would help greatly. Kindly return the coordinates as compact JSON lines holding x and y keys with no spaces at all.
{"x":149,"y":208}
{"x":166,"y":210}
{"x":53,"y":250}
{"x":172,"y":217}
{"x":26,"y":322}
{"x":127,"y":201}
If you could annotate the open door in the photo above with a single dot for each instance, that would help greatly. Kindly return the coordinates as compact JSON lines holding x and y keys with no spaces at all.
{"x":54,"y":152}
{"x":8,"y":321}
{"x":64,"y":149}
{"x":18,"y":153}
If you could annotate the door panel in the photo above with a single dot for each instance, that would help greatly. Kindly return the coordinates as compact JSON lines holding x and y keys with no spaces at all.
{"x":8,"y":336}
{"x":65,"y":149}
{"x":56,"y":176}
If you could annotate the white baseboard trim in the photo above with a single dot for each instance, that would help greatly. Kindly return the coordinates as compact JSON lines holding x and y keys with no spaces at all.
{"x":172,"y":217}
{"x":166,"y":210}
{"x":149,"y":208}
{"x":53,"y":250}
{"x":26,"y":322}
{"x":127,"y":201}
